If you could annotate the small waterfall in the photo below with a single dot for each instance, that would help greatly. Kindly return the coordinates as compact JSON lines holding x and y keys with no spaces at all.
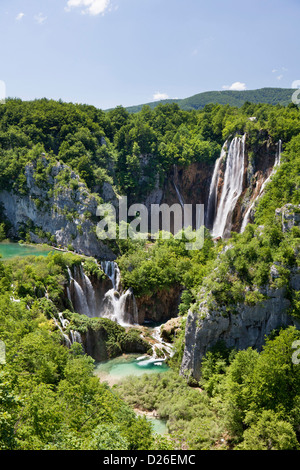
{"x":75,"y":337}
{"x":69,"y":294}
{"x":180,"y":198}
{"x":111,"y":269}
{"x":65,"y":337}
{"x":161,"y":345}
{"x":80,"y":297}
{"x":276,"y":165}
{"x":85,"y":298}
{"x":247,"y":216}
{"x":179,"y":195}
{"x":64,"y":323}
{"x":89,"y":292}
{"x":116,"y":303}
{"x":232,"y":187}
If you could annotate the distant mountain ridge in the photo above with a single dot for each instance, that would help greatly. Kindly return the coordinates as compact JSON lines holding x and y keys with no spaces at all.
{"x":282,"y":96}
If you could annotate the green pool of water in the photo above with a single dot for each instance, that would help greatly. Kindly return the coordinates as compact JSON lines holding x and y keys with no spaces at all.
{"x":10,"y":250}
{"x":116,"y":369}
{"x":158,"y":425}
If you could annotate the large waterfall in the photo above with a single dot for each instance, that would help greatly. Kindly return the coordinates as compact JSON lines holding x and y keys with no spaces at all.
{"x":115,"y":304}
{"x":232,"y":186}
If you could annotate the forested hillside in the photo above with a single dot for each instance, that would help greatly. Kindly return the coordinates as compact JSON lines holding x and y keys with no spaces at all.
{"x":227,"y":97}
{"x":234,"y":399}
{"x":112,"y":147}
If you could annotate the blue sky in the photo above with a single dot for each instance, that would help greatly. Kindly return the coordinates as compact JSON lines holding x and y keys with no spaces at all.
{"x":126,"y":52}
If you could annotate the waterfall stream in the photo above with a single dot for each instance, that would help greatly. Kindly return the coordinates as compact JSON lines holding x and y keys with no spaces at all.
{"x":232,"y":186}
{"x":116,"y":305}
{"x":220,"y":206}
{"x":80,"y":296}
{"x":73,"y":337}
{"x":116,"y":301}
{"x":180,"y":198}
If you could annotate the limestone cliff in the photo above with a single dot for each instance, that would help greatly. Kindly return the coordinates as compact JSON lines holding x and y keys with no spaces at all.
{"x":245,"y":324}
{"x":160,"y":306}
{"x":244,"y":327}
{"x":53,"y":211}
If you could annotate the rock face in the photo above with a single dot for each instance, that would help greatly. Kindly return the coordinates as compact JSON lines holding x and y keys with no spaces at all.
{"x":188,"y":185}
{"x":289,"y":215}
{"x":246,"y":327}
{"x":97,"y":344}
{"x":55,"y":212}
{"x":170,"y":329}
{"x":159,"y":307}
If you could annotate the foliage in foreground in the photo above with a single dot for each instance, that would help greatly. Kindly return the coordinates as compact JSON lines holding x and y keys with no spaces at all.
{"x":49,"y":396}
{"x":245,"y":400}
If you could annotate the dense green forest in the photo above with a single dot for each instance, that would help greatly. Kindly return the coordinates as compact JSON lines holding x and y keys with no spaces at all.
{"x":128,"y":150}
{"x":232,"y":98}
{"x":49,"y":397}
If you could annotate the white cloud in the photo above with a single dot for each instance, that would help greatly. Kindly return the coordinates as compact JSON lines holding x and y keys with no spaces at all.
{"x":236,"y":86}
{"x":2,"y":92}
{"x":20,"y":16}
{"x":40,"y":18}
{"x":160,"y":96}
{"x":282,"y":69}
{"x":280,"y":77}
{"x":90,"y":7}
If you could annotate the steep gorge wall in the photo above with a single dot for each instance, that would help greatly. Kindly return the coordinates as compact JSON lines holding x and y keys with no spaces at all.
{"x":247,"y":326}
{"x":242,"y":325}
{"x":56,"y":211}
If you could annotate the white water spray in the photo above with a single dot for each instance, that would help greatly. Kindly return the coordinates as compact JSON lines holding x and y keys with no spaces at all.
{"x":232,"y":187}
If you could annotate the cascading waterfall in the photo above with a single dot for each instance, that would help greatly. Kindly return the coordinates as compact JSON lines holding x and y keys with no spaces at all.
{"x":232,"y":187}
{"x":165,"y":348}
{"x":80,"y":298}
{"x":247,"y":216}
{"x":75,"y":335}
{"x":111,"y":269}
{"x":115,"y":301}
{"x":88,"y":291}
{"x":276,"y":165}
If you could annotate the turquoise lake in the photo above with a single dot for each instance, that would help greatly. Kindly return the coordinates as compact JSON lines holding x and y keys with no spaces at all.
{"x":10,"y":250}
{"x":115,"y":370}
